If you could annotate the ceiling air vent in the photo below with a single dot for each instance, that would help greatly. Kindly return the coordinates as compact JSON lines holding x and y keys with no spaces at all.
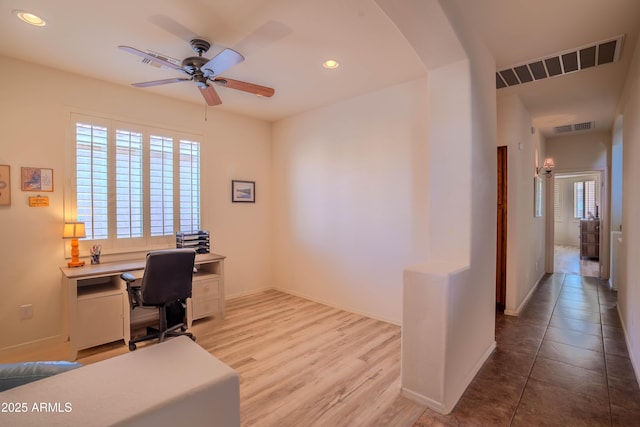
{"x":583,"y":126}
{"x":563,"y":129}
{"x":574,"y":128}
{"x":566,"y":62}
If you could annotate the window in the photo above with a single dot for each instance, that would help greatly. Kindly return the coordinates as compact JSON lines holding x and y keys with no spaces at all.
{"x":584,"y":199}
{"x":128,"y":179}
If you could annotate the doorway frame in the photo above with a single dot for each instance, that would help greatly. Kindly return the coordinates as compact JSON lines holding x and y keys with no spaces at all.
{"x":604,"y":252}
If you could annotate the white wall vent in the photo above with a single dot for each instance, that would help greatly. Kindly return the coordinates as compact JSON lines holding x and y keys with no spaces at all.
{"x":570,"y":61}
{"x":577,"y":127}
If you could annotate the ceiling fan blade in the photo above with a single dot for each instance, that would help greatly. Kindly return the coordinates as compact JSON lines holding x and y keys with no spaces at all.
{"x":161,"y":82}
{"x":221,"y":62}
{"x":244,"y":86}
{"x":211,"y":96}
{"x":152,"y":58}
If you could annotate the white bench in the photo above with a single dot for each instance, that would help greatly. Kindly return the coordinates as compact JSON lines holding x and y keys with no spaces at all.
{"x":172,"y":383}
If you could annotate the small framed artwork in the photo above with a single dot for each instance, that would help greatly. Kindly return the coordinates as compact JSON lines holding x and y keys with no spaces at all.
{"x":5,"y":185}
{"x":36,"y":179}
{"x":243,"y":191}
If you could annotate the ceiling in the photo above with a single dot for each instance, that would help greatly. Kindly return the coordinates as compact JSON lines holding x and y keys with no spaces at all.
{"x":286,"y":41}
{"x":518,"y":31}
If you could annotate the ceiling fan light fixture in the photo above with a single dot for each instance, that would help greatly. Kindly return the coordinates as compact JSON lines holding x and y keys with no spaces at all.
{"x":330,"y":64}
{"x":30,"y":18}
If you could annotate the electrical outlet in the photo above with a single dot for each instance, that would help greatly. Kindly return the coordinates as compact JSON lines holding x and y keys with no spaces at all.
{"x":26,"y":311}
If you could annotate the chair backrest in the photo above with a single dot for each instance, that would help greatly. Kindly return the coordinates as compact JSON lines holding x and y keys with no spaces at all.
{"x":167,"y":276}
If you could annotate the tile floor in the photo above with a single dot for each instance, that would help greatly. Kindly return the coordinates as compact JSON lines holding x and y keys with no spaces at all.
{"x":562,"y":362}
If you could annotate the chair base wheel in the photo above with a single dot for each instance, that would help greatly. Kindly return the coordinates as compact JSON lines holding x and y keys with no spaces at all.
{"x":132,"y":346}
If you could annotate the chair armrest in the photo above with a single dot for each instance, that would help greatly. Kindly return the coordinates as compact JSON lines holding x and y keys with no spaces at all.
{"x":128,"y":277}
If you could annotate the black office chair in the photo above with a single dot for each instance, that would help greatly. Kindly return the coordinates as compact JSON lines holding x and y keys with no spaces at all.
{"x":166,"y":281}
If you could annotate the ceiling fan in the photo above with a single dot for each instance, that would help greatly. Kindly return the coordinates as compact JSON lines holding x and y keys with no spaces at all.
{"x":203,"y":71}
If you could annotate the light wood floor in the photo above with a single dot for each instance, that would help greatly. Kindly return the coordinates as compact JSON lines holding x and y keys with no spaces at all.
{"x":304,"y":364}
{"x":566,"y":259}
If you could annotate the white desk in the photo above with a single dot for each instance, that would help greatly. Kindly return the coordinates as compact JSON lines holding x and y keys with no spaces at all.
{"x":97,"y":304}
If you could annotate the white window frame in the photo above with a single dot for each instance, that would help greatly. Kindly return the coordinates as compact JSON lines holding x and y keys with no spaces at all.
{"x":113,"y":244}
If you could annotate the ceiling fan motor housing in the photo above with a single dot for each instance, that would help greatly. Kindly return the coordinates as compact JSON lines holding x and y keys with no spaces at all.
{"x":200,"y":46}
{"x":193,"y":63}
{"x":200,"y":80}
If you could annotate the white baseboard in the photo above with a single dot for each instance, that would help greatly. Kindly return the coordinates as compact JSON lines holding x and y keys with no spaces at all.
{"x":422,"y":400}
{"x":635,"y":364}
{"x":440,"y":406}
{"x":526,"y":299}
{"x":230,"y":297}
{"x":339,"y":306}
{"x":10,"y":352}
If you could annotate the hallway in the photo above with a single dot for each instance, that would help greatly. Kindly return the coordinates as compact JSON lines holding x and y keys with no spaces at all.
{"x":562,"y":362}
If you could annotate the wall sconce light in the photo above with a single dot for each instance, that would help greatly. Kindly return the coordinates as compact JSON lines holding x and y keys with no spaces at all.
{"x":74,"y":231}
{"x":548,"y":166}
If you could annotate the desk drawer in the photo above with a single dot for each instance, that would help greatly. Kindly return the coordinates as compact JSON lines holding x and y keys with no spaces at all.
{"x":205,"y":307}
{"x":205,"y":289}
{"x":100,"y":320}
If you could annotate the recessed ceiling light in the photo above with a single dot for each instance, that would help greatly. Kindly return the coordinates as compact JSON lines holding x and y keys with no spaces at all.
{"x":30,"y":18}
{"x":330,"y":64}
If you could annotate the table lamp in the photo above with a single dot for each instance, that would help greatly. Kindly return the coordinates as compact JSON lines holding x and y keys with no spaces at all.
{"x":74,"y":231}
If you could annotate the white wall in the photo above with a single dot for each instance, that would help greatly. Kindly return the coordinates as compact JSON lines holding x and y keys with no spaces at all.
{"x":580,"y":152}
{"x":34,"y":118}
{"x":349,"y":207}
{"x":629,"y":290}
{"x":449,"y":298}
{"x":525,"y":232}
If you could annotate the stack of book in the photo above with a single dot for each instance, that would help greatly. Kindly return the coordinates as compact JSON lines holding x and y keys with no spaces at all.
{"x":199,"y":241}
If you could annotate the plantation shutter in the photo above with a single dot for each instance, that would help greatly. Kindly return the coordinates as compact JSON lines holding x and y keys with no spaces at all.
{"x":129,"y":194}
{"x":189,"y":186}
{"x":161,"y":185}
{"x":91,"y":179}
{"x":590,"y":199}
{"x":134,"y":186}
{"x":578,"y":199}
{"x":584,"y":193}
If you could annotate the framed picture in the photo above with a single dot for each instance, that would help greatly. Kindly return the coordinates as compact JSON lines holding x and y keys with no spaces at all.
{"x":243,"y":191}
{"x":537,"y":196}
{"x":5,"y":185}
{"x":36,"y":179}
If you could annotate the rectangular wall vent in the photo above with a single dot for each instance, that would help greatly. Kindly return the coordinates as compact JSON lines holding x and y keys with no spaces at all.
{"x":574,"y":127}
{"x":566,"y":62}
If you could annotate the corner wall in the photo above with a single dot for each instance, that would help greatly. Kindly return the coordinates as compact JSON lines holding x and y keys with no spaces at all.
{"x":629,"y":290}
{"x":350,"y":200}
{"x":449,"y":297}
{"x":525,"y":232}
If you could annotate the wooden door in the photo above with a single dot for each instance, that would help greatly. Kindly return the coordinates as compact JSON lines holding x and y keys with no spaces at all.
{"x":501,"y":238}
